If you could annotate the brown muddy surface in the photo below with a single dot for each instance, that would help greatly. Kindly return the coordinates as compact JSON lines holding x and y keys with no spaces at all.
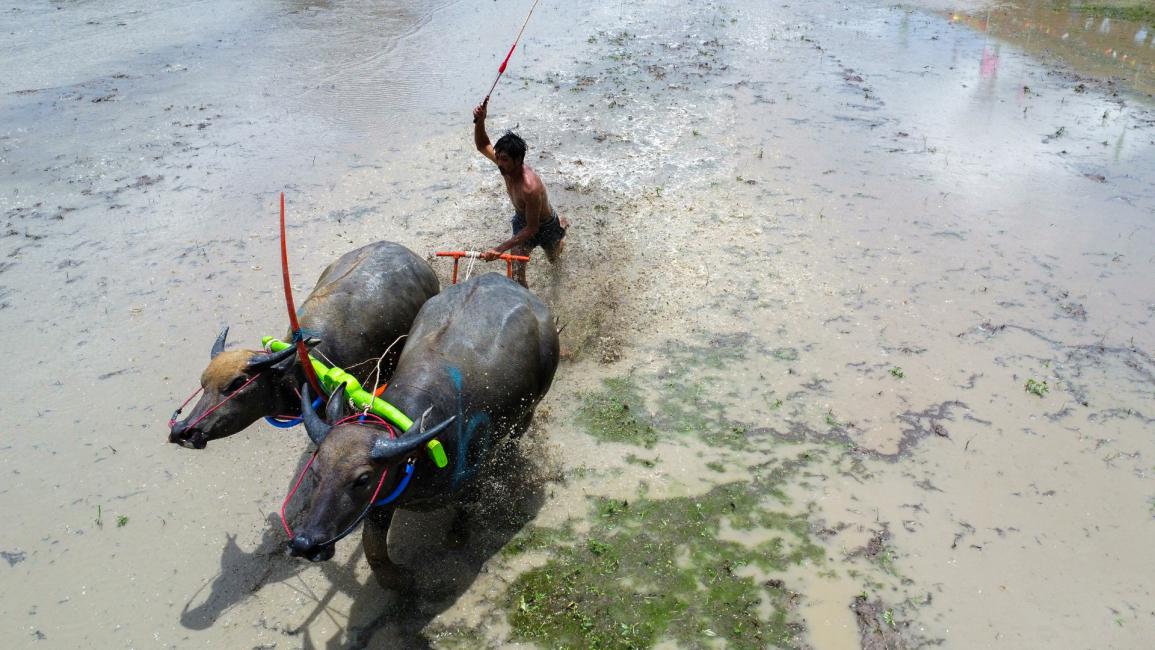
{"x":843,"y":233}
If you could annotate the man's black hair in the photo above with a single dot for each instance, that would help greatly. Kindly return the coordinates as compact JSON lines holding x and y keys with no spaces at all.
{"x":511,"y":145}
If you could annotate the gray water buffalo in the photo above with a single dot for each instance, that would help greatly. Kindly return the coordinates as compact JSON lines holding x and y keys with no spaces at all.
{"x":479,"y":358}
{"x":360,"y":306}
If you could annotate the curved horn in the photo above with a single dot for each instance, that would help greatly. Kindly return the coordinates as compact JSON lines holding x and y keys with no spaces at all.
{"x":314,"y":425}
{"x":336,"y":408}
{"x":219,"y":346}
{"x":265,"y":360}
{"x":385,"y":448}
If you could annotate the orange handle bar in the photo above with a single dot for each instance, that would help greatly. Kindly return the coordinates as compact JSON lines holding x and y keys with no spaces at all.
{"x":457,"y":255}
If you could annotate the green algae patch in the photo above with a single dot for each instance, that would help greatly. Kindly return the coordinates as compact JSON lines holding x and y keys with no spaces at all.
{"x":687,"y":403}
{"x":655,"y":569}
{"x":785,"y":354}
{"x":617,"y":414}
{"x":1135,"y":11}
{"x":536,"y":539}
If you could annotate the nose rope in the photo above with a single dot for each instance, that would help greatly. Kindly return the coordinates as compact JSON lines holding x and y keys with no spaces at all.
{"x":285,"y":503}
{"x":176,"y":413}
{"x":210,"y":411}
{"x":373,"y":502}
{"x":361,"y":417}
{"x":404,"y":483}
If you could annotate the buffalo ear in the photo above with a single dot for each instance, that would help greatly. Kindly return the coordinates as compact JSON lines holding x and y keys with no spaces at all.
{"x":219,"y":345}
{"x":336,"y":409}
{"x":314,"y":425}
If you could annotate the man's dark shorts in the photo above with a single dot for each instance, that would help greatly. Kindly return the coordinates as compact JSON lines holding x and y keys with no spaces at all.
{"x":547,"y":236}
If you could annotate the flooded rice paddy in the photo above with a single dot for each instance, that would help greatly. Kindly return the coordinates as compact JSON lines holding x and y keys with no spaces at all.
{"x":857,"y":303}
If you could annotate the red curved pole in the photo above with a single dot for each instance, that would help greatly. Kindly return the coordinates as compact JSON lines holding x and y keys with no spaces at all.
{"x":302,"y":349}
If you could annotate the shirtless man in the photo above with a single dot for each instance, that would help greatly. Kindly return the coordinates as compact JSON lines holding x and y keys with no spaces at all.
{"x":535,"y":222}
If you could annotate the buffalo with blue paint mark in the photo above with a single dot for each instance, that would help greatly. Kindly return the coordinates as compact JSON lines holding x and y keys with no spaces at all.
{"x":481,"y":355}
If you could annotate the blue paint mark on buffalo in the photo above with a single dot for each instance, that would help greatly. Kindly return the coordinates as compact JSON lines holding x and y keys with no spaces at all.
{"x":467,"y":428}
{"x":482,"y":352}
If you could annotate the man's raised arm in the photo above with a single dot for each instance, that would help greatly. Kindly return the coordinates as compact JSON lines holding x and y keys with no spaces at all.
{"x":480,"y":137}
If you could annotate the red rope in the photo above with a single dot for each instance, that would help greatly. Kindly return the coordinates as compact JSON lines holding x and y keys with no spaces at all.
{"x":373,"y":417}
{"x":176,"y":413}
{"x":209,"y":412}
{"x":289,"y":497}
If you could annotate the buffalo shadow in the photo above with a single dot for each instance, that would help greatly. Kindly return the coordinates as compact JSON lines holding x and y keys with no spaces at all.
{"x":245,"y":573}
{"x":510,"y":492}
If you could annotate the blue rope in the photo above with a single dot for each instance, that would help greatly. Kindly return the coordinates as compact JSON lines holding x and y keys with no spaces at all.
{"x":291,"y":422}
{"x":400,"y":486}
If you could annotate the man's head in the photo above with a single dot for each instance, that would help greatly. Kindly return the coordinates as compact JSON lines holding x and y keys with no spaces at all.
{"x":509,"y":150}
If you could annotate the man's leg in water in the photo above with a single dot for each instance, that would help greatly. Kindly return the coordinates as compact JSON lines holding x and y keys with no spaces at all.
{"x":553,"y":251}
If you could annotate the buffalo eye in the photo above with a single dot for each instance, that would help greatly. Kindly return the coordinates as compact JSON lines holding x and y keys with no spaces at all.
{"x":361,"y":481}
{"x":235,"y":385}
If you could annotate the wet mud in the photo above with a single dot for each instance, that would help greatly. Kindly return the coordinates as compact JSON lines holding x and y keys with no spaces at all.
{"x":856,"y":303}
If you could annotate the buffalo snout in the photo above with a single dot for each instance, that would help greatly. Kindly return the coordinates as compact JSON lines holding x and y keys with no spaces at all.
{"x":308,"y":547}
{"x":186,"y":436}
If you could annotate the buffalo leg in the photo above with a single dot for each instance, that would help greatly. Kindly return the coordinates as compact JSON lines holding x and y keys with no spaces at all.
{"x":459,"y":529}
{"x":375,"y":541}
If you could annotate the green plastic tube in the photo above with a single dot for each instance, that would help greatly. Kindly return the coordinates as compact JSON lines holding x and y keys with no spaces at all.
{"x":331,"y":378}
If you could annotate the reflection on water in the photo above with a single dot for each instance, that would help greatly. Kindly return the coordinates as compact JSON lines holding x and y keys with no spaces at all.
{"x":1093,"y":45}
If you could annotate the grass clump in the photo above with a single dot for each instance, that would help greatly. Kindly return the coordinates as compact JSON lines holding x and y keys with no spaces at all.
{"x":616,"y":414}
{"x":1037,"y":388}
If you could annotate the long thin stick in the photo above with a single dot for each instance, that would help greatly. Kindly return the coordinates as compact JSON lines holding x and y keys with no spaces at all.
{"x":501,"y":70}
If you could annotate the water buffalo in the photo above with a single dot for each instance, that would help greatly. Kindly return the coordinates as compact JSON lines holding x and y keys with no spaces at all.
{"x":360,"y":306}
{"x":479,"y":358}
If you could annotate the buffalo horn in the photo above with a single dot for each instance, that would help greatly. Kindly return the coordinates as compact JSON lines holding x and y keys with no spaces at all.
{"x":314,"y":425}
{"x":219,"y":345}
{"x":336,"y":408}
{"x":385,"y":448}
{"x":265,"y":360}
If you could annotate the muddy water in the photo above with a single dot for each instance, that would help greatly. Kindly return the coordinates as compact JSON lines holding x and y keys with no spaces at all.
{"x":826,"y":245}
{"x":1092,"y":43}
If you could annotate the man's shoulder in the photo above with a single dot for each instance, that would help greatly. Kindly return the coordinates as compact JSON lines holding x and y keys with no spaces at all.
{"x":533,"y":182}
